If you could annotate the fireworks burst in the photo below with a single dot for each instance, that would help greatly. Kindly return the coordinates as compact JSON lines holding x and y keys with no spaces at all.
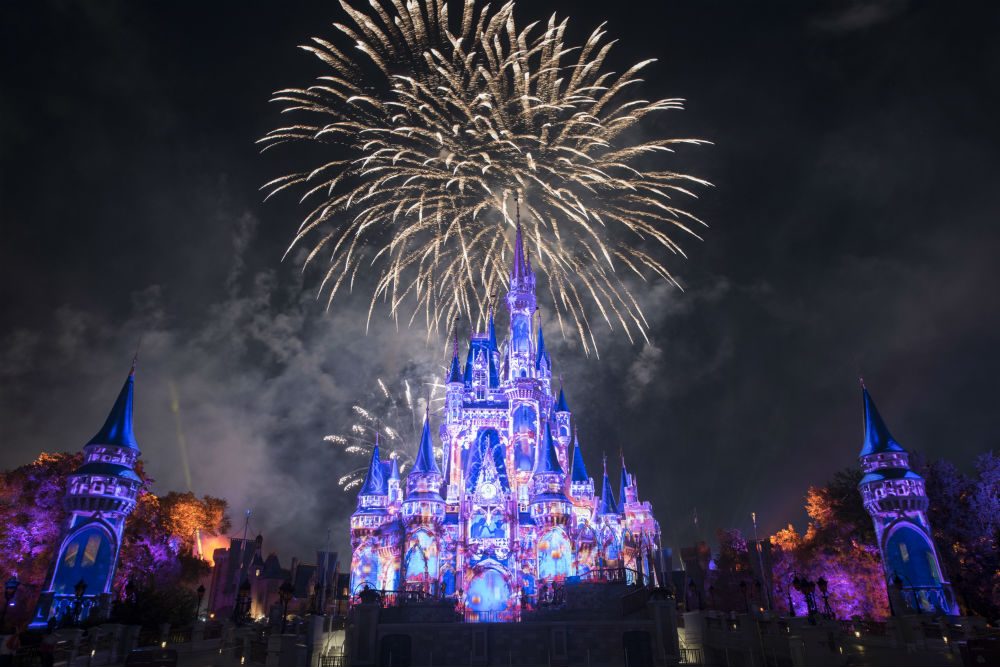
{"x":436,"y":133}
{"x":397,"y":416}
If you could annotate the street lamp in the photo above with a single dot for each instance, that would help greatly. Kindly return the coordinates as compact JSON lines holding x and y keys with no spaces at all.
{"x":743,"y":592}
{"x":79,"y":590}
{"x":824,"y":586}
{"x":285,"y":593}
{"x":201,"y":595}
{"x":9,"y":591}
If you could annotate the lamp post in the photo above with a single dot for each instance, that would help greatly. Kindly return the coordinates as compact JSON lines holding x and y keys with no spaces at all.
{"x":285,"y":595}
{"x":79,"y":590}
{"x":201,"y":595}
{"x":824,"y":586}
{"x":9,"y":591}
{"x":743,"y":592}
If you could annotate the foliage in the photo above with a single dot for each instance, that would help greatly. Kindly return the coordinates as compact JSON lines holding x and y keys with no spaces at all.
{"x":965,"y":519}
{"x":839,"y":545}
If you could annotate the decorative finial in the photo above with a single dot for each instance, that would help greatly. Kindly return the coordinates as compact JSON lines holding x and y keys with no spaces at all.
{"x":862,"y":381}
{"x":517,"y":207}
{"x":135,"y":357}
{"x":454,"y":348}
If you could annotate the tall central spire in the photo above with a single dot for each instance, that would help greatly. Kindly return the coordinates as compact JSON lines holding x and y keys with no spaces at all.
{"x":521,"y":275}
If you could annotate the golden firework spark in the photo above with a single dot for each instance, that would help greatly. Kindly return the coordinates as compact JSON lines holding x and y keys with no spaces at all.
{"x":435,"y":133}
{"x":397,"y":419}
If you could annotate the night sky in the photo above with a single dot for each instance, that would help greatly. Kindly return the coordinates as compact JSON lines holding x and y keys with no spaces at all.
{"x":853,"y":229}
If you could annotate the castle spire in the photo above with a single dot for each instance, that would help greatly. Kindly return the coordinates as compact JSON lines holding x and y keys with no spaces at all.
{"x":579,"y":469}
{"x":117,"y":429}
{"x":375,"y":482}
{"x":561,"y":401}
{"x":542,"y":352}
{"x":624,"y":480}
{"x":425,"y":462}
{"x":607,"y":505}
{"x":521,"y":275}
{"x":455,"y":372}
{"x":548,"y":460}
{"x":878,"y":440}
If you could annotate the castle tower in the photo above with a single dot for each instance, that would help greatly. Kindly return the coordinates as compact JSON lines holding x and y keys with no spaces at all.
{"x":609,"y":521}
{"x":896,"y":499}
{"x":552,"y":513}
{"x":423,"y":513}
{"x":372,"y":563}
{"x":99,"y":497}
{"x":521,"y":304}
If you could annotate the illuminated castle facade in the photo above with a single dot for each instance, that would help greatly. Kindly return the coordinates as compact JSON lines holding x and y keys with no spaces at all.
{"x":509,"y":513}
{"x":100,"y":494}
{"x":895,"y":497}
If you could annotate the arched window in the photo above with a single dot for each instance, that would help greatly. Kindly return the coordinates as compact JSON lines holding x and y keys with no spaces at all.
{"x":910,"y":556}
{"x":88,"y":555}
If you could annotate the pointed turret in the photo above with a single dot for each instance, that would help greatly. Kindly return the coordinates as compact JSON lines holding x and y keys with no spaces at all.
{"x":542,"y":354}
{"x":579,"y":469}
{"x":878,"y":440}
{"x":547,"y":460}
{"x":117,"y":429}
{"x":455,"y":371}
{"x":624,"y":484}
{"x":426,"y":462}
{"x":561,"y":401}
{"x":491,"y":329}
{"x":607,"y":505}
{"x":375,"y":483}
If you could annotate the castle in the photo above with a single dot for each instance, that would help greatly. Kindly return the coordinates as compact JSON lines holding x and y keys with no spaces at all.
{"x":510,"y":513}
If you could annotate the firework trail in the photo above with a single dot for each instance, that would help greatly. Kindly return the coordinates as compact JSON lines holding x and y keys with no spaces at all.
{"x":396,"y":415}
{"x":433,"y":133}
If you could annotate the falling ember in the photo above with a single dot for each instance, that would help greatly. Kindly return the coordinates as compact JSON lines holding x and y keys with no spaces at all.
{"x":439,"y":138}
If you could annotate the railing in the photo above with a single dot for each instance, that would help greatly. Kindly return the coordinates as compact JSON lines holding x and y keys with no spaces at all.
{"x":501,"y":616}
{"x":392,"y":598}
{"x":692,"y":656}
{"x":331,"y":661}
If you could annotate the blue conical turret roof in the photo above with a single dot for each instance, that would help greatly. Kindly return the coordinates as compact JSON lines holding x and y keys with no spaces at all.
{"x":624,"y":483}
{"x":491,"y":331}
{"x":117,"y":429}
{"x":394,"y":469}
{"x":542,"y":352}
{"x":375,"y":482}
{"x":878,"y":440}
{"x":548,"y":460}
{"x":455,"y":372}
{"x":425,"y":462}
{"x":607,"y":505}
{"x":579,"y":469}
{"x":561,"y":401}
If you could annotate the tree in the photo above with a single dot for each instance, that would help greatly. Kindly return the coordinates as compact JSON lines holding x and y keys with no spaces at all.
{"x":839,"y":545}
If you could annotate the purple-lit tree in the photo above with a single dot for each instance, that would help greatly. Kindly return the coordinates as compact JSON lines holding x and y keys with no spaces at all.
{"x":839,"y":545}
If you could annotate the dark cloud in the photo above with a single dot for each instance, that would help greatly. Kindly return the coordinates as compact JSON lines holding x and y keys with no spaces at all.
{"x":853,"y":229}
